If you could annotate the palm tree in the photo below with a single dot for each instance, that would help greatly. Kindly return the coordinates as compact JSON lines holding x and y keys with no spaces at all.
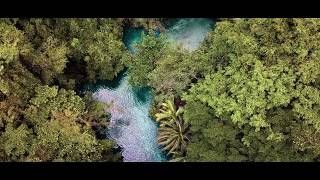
{"x":168,"y":112}
{"x":174,"y":131}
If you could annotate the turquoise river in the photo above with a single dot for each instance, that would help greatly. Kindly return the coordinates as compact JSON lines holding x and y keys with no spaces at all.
{"x":131,"y":126}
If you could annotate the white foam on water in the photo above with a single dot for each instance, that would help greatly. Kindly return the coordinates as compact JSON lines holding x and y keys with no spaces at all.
{"x":130,"y":125}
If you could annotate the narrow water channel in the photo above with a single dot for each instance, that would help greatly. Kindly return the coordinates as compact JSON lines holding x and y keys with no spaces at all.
{"x":131,"y":125}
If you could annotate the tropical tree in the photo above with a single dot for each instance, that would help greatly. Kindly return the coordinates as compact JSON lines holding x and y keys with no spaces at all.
{"x":149,"y":51}
{"x":168,"y":113}
{"x":62,"y":127}
{"x":174,"y":137}
{"x":174,"y":131}
{"x":212,"y":139}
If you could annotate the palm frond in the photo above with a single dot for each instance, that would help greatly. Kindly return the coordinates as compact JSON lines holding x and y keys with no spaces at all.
{"x":173,"y":130}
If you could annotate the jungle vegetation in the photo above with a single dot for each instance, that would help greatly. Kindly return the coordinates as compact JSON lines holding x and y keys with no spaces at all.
{"x":251,"y":92}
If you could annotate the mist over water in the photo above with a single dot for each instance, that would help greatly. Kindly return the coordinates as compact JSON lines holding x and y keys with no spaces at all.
{"x":189,"y":32}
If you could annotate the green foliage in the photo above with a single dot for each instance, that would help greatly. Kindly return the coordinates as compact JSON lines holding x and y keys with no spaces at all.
{"x":16,"y":85}
{"x":306,"y":139}
{"x":57,"y":117}
{"x":260,"y":79}
{"x":168,"y":69}
{"x":98,"y":43}
{"x":93,"y":42}
{"x":174,"y":137}
{"x":173,"y":73}
{"x":251,"y":90}
{"x":15,"y":142}
{"x":20,"y":82}
{"x":95,"y":114}
{"x":307,"y":106}
{"x":260,"y":74}
{"x":149,"y":50}
{"x":48,"y":100}
{"x":49,"y":59}
{"x":168,"y":113}
{"x":13,"y":43}
{"x":212,"y":139}
{"x":146,"y":23}
{"x":16,"y":82}
{"x":60,"y":140}
{"x":174,"y":131}
{"x":41,"y":122}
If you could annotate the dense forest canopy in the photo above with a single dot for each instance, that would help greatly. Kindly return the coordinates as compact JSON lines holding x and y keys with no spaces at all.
{"x":250,"y":92}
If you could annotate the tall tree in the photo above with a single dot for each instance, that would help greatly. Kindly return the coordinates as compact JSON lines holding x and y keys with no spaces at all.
{"x":99,"y":43}
{"x":149,"y":50}
{"x":61,"y":135}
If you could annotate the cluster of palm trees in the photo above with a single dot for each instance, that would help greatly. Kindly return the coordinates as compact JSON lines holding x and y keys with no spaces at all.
{"x":174,"y":132}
